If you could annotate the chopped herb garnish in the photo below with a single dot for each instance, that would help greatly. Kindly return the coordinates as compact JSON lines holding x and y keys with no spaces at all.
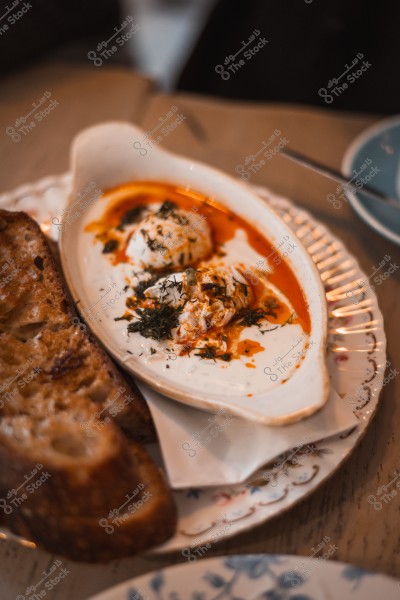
{"x":289,"y":320}
{"x":132,"y":215}
{"x":110,"y":246}
{"x":124,"y":318}
{"x":210,"y":352}
{"x":156,"y":323}
{"x":166,"y":209}
{"x":143,"y":285}
{"x":251,"y":316}
{"x":154,"y":245}
{"x":187,"y":348}
{"x":270,"y":305}
{"x":244,"y":287}
{"x":219,"y":291}
{"x":168,"y":284}
{"x":153,"y":351}
{"x":268,"y":330}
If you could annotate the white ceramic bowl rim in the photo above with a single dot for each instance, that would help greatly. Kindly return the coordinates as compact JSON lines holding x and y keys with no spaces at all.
{"x":309,"y":390}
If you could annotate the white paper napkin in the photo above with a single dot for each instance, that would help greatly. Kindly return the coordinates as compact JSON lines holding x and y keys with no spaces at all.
{"x":201,"y":449}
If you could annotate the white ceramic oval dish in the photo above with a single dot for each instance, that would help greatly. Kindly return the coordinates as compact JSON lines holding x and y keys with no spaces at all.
{"x":103,"y":157}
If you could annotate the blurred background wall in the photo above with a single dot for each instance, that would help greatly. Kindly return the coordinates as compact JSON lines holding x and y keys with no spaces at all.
{"x":307,"y":49}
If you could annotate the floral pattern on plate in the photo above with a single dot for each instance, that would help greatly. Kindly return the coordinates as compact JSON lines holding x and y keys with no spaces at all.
{"x":257,"y":577}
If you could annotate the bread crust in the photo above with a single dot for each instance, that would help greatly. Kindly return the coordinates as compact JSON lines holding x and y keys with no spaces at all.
{"x":64,"y":413}
{"x":137,"y":527}
{"x":53,"y":346}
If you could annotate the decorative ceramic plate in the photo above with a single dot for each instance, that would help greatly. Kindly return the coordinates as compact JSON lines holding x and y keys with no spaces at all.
{"x":257,"y":577}
{"x":373,"y":159}
{"x":356,"y":361}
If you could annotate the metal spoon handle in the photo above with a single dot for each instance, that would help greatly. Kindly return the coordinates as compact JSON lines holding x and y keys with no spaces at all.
{"x":337,"y":176}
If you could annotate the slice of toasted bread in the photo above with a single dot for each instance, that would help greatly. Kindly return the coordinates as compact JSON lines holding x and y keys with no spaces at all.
{"x":50,"y":463}
{"x":64,"y":461}
{"x":48,"y":359}
{"x":132,"y":524}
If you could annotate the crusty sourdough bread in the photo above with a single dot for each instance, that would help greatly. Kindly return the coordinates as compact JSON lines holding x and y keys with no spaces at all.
{"x":80,"y":474}
{"x":42,"y":339}
{"x":65,"y":463}
{"x":144,"y":521}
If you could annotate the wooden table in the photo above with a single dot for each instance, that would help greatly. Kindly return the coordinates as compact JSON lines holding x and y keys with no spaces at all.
{"x":222,"y":134}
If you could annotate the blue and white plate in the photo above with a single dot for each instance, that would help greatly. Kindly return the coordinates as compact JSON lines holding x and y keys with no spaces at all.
{"x":373,"y":159}
{"x":258,"y":577}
